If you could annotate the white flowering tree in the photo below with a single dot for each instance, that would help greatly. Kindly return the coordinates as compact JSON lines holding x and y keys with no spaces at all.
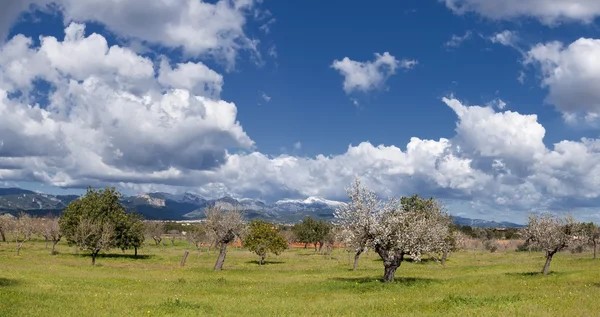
{"x":552,"y":234}
{"x":410,"y":226}
{"x":356,"y":219}
{"x":225,"y":227}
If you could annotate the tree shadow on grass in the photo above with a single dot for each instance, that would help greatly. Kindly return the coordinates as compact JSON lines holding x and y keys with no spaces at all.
{"x":266,"y":262}
{"x":7,"y":282}
{"x":117,"y":256}
{"x":530,"y":274}
{"x":409,"y":281}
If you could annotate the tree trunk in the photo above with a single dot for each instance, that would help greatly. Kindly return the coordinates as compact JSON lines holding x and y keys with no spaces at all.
{"x":306,"y":245}
{"x":315,"y":247}
{"x":3,"y":236}
{"x":548,"y":260}
{"x":53,"y":247}
{"x":391,"y":262}
{"x":595,"y":248}
{"x":356,"y":256}
{"x":94,"y":253}
{"x":135,"y":252}
{"x":320,"y":245}
{"x":221,"y":259}
{"x":262,"y":259}
{"x":444,"y":257}
{"x":19,"y":246}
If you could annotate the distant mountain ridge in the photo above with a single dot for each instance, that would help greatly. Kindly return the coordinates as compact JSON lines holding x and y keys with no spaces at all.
{"x":189,"y":206}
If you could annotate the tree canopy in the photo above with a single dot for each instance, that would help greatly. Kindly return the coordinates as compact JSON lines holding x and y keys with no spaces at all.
{"x":264,"y":237}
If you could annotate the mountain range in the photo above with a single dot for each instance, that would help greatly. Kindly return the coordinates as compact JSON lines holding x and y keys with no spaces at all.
{"x":189,"y":206}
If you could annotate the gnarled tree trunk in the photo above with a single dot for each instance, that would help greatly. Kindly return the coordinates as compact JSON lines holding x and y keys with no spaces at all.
{"x":3,"y":236}
{"x":444,"y":257}
{"x":356,"y":256}
{"x":221,"y":258}
{"x":135,"y":252}
{"x":391,"y":262}
{"x":94,"y":254}
{"x":549,"y":255}
{"x":54,"y":242}
{"x":262,"y":259}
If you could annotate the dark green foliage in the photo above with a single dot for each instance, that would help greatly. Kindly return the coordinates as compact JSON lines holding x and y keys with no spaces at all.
{"x":129,"y":234}
{"x":98,"y":221}
{"x":264,"y":237}
{"x":312,"y":231}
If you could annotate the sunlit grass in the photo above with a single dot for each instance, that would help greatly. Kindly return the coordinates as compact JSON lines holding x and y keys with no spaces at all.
{"x":298,"y":282}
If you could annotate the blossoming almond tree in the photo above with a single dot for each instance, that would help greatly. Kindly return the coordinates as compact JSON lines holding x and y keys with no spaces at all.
{"x":356,"y":219}
{"x":408,"y":226}
{"x":551,"y":234}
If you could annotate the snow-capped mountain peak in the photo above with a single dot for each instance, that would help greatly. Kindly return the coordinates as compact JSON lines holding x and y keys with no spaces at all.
{"x":311,"y":201}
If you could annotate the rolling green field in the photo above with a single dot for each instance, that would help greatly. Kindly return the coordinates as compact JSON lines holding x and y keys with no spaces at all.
{"x":298,"y":282}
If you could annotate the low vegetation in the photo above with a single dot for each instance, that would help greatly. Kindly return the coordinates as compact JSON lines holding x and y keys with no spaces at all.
{"x":463,"y":270}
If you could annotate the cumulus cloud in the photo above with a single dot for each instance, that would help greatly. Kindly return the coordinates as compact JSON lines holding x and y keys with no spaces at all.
{"x":546,"y":11}
{"x":370,"y":75}
{"x":197,"y":27}
{"x":108,"y":117}
{"x":570,"y":73}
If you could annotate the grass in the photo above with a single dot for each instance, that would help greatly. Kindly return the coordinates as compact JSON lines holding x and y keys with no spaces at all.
{"x":298,"y":282}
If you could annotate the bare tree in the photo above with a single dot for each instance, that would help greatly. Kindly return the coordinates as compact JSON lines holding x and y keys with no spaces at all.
{"x":225,"y":227}
{"x":50,"y":230}
{"x":356,"y":219}
{"x":551,"y":234}
{"x":23,"y":227}
{"x":155,"y":229}
{"x":174,"y":235}
{"x":196,"y":235}
{"x":6,"y":223}
{"x":94,"y":236}
{"x":592,"y":234}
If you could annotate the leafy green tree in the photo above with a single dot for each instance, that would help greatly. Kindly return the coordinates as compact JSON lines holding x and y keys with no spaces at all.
{"x":95,"y":221}
{"x":129,"y":234}
{"x":264,"y":237}
{"x":312,"y":231}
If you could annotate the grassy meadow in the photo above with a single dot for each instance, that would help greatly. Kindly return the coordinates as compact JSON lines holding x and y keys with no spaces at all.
{"x":298,"y":282}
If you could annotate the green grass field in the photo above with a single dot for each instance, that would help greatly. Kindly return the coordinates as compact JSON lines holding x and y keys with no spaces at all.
{"x":298,"y":282}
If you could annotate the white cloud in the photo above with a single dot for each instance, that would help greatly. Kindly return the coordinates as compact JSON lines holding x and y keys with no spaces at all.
{"x":265,"y":97}
{"x":571,"y":74}
{"x":456,"y":40}
{"x":506,"y":38}
{"x":108,"y":118}
{"x":371,"y":75}
{"x":198,"y":27}
{"x":546,"y":11}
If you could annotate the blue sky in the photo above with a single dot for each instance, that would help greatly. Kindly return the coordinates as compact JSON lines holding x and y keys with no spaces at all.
{"x":272,"y":99}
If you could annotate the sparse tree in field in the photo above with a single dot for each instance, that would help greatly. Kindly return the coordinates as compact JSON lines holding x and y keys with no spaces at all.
{"x":592,"y":234}
{"x":551,"y":234}
{"x":50,"y":230}
{"x":155,"y":229}
{"x":6,"y":223}
{"x":264,"y":237}
{"x":355,"y":219}
{"x":173,"y":235}
{"x":312,"y":231}
{"x":94,"y":235}
{"x":22,"y":229}
{"x":225,"y":227}
{"x":129,"y":233}
{"x":94,"y":221}
{"x":412,"y":226}
{"x":289,"y":236}
{"x":196,"y":235}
